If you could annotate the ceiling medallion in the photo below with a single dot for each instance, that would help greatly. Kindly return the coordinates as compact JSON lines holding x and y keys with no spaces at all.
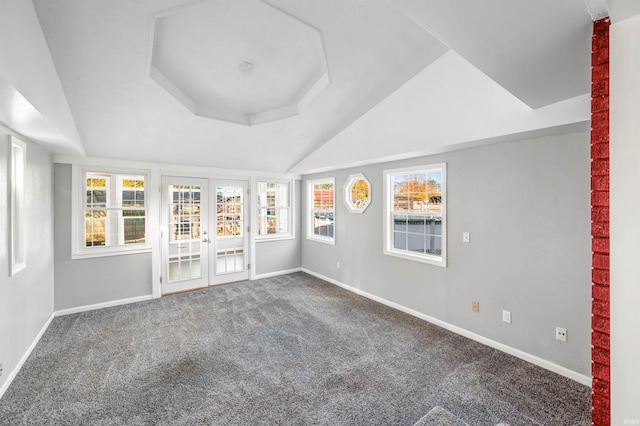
{"x":245,"y":67}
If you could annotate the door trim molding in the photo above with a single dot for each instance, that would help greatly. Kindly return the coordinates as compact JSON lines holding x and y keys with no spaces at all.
{"x":165,"y":234}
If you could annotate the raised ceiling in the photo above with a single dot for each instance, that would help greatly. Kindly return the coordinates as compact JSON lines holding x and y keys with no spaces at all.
{"x":246,"y":64}
{"x":300,"y":85}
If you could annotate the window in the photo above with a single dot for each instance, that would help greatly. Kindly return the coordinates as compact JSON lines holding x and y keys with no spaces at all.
{"x":112,"y":212}
{"x":16,"y":176}
{"x":357,"y":193}
{"x":415,"y":219}
{"x":274,"y":209}
{"x":229,"y":217}
{"x":321,"y":205}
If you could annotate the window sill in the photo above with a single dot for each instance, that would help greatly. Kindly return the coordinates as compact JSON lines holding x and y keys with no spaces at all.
{"x":107,"y":253}
{"x":431,"y":260}
{"x":329,"y":241}
{"x":275,"y":238}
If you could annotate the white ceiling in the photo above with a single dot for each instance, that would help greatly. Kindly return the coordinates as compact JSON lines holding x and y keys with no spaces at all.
{"x":247,"y":64}
{"x":303,"y":85}
{"x":18,"y":115}
{"x":623,"y":9}
{"x":537,"y":50}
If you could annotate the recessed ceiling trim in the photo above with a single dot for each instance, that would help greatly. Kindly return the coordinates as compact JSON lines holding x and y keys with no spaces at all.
{"x":319,"y":31}
{"x":221,"y":114}
{"x":152,"y":28}
{"x":173,"y":49}
{"x":274,"y":114}
{"x":293,"y":110}
{"x":322,"y":83}
{"x":173,"y":90}
{"x":322,"y":42}
{"x":179,"y":8}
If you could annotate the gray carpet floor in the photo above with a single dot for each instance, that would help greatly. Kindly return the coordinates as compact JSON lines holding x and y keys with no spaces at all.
{"x":284,"y":350}
{"x":438,"y":416}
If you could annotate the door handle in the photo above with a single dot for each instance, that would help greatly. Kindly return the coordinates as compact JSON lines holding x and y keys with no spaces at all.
{"x":205,"y":240}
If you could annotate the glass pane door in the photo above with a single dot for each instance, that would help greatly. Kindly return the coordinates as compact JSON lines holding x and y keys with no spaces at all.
{"x":185,"y":239}
{"x":231,"y":260}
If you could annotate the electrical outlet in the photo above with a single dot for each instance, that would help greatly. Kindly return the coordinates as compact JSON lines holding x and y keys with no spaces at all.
{"x":465,"y":237}
{"x":338,"y":265}
{"x":475,"y":306}
{"x":506,"y":316}
{"x":561,"y":334}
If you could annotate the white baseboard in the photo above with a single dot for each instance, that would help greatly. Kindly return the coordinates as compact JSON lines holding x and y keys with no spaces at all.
{"x":102,"y":305}
{"x":275,"y":274}
{"x":24,"y":358}
{"x":563,"y":371}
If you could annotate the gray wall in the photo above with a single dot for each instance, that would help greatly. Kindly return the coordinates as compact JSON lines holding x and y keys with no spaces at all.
{"x":282,"y":255}
{"x":26,"y":299}
{"x":526,"y":206}
{"x":83,"y":282}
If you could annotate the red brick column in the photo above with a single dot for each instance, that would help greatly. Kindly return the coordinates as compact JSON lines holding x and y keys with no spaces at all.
{"x":601,"y":405}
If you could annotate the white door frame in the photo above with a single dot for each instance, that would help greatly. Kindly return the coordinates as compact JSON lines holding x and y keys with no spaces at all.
{"x":210,"y":275}
{"x":185,"y":260}
{"x":229,"y":258}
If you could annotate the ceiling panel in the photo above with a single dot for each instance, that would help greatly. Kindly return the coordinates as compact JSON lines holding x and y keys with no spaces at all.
{"x":101,"y":51}
{"x":538,"y":50}
{"x":536,"y":54}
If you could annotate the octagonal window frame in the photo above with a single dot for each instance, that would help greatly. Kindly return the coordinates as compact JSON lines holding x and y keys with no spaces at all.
{"x":362,"y":204}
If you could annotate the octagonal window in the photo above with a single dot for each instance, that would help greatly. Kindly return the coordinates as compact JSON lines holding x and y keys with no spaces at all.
{"x":357,"y":193}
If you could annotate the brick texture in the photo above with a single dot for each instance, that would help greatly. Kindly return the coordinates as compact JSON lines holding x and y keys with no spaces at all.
{"x":600,"y":340}
{"x":600,"y":198}
{"x":600,"y":371}
{"x":599,"y":245}
{"x":600,"y":417}
{"x":600,"y":326}
{"x":600,"y":168}
{"x":599,"y":277}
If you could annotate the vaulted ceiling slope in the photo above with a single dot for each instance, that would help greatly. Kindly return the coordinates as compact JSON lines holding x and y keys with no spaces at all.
{"x":32,"y":100}
{"x":302,"y":85}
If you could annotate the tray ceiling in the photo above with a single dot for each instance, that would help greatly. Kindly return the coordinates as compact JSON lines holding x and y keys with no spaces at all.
{"x":273,"y":85}
{"x":247,"y":64}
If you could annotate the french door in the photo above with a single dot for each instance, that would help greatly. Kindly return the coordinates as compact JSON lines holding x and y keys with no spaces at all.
{"x":230,"y":241}
{"x":185,"y":234}
{"x":204,"y":235}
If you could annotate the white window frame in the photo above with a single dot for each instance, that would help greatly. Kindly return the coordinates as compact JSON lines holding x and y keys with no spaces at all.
{"x":119,"y":190}
{"x":18,"y":164}
{"x":347,"y":191}
{"x":290,"y":234}
{"x":389,"y":222}
{"x":112,"y":248}
{"x":311,"y":211}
